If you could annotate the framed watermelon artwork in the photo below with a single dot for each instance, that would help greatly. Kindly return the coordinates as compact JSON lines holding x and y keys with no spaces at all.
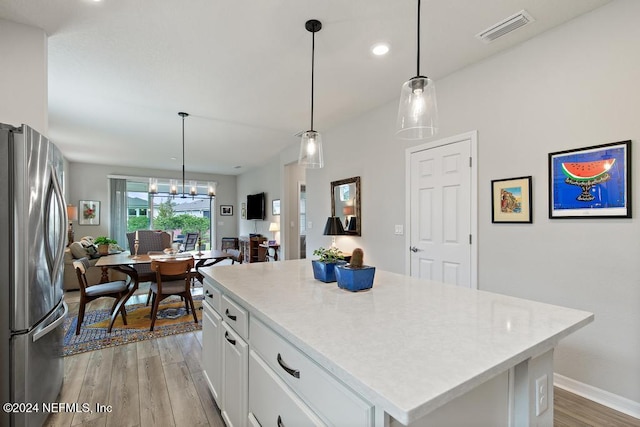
{"x":591,"y":182}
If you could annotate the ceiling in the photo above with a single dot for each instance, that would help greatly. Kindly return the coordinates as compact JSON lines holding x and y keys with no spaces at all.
{"x":121,"y":70}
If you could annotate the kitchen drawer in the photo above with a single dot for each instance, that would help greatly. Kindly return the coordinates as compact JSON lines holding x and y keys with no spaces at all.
{"x":236,"y":316}
{"x":329,"y":398}
{"x":212,"y":295}
{"x":271,"y":401}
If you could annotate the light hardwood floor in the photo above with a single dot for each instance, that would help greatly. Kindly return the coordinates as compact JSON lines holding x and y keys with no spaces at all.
{"x":160,"y":383}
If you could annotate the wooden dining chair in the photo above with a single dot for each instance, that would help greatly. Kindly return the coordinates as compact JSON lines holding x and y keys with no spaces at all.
{"x":166,"y":285}
{"x":89,"y":292}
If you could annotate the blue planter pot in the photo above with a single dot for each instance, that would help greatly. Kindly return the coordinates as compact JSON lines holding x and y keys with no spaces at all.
{"x":325,"y":271}
{"x":355,"y":279}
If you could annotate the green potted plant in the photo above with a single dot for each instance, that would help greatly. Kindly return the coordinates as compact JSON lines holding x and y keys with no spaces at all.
{"x":355,"y":276}
{"x":103,"y":243}
{"x":324,"y":266}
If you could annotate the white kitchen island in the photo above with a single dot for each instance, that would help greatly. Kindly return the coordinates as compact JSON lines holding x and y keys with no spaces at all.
{"x":280,"y":348}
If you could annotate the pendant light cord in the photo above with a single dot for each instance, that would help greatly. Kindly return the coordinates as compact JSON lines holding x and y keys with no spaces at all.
{"x":313,"y":55}
{"x":183,"y":195}
{"x":183,"y":115}
{"x":418,"y":56}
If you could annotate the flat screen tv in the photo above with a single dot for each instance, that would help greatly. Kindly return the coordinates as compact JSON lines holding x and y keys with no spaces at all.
{"x":255,"y":206}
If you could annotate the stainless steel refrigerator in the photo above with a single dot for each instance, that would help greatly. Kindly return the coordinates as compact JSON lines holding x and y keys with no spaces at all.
{"x":32,"y":242}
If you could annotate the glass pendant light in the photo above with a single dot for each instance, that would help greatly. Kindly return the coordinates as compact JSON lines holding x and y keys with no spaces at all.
{"x":311,"y":156}
{"x":211,"y":189}
{"x":418,"y":111}
{"x":153,"y":185}
{"x":173,"y":187}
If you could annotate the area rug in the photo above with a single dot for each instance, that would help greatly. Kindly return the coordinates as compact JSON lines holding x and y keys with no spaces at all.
{"x":172,"y":319}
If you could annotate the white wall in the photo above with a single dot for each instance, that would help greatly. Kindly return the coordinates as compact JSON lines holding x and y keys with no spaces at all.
{"x":23,"y":76}
{"x":571,"y":87}
{"x":91,"y":182}
{"x":266,"y":179}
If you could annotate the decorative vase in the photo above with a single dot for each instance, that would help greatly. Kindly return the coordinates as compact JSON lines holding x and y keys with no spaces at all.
{"x":355,"y":279}
{"x":103,"y":249}
{"x":325,"y":271}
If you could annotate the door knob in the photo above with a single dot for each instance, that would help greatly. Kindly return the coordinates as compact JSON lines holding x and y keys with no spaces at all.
{"x":414,"y":249}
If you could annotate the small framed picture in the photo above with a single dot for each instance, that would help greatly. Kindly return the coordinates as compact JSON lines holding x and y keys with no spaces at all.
{"x":591,"y":182}
{"x":226,"y":210}
{"x":89,"y":212}
{"x":511,"y":200}
{"x":275,"y":207}
{"x":243,"y":211}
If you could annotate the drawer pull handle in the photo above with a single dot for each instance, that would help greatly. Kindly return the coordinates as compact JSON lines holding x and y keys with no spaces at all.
{"x":230,"y":316}
{"x":228,"y":338}
{"x":280,"y":422}
{"x":293,"y":372}
{"x":210,"y":295}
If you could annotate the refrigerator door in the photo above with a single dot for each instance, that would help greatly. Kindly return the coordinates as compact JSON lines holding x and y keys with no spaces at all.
{"x":39,"y":218}
{"x":38,"y":368}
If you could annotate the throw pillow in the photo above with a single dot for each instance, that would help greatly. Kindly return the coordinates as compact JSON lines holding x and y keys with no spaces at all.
{"x":78,"y":251}
{"x":89,"y":247}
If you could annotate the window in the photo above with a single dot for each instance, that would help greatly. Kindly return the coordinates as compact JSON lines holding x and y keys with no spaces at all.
{"x":175,"y":215}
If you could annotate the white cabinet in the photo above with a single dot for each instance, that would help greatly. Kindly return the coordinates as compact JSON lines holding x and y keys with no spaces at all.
{"x":211,"y":351}
{"x":225,"y":354}
{"x":234,"y":378}
{"x":259,"y":378}
{"x":321,"y":391}
{"x":271,"y":402}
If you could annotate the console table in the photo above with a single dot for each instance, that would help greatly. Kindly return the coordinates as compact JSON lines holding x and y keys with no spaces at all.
{"x":267,"y":255}
{"x":281,"y":347}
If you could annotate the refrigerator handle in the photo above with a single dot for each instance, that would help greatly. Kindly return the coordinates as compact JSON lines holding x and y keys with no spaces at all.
{"x":45,"y":330}
{"x":58,"y":261}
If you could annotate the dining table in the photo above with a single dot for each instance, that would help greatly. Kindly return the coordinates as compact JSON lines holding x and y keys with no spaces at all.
{"x":125,"y":262}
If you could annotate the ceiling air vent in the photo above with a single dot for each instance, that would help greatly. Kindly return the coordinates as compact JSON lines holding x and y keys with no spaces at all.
{"x":505,"y":26}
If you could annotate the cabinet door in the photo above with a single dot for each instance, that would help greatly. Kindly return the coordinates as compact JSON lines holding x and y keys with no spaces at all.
{"x":271,"y":401}
{"x":212,"y":351}
{"x":234,"y":378}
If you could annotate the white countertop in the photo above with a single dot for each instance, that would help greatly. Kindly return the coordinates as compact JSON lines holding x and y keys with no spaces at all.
{"x":406,"y":345}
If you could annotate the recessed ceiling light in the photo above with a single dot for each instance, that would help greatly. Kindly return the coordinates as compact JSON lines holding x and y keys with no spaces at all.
{"x":380,"y":49}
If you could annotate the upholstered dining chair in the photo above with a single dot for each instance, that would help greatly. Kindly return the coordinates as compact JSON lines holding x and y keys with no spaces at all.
{"x":164,"y":286}
{"x":148,"y":241}
{"x":89,"y":292}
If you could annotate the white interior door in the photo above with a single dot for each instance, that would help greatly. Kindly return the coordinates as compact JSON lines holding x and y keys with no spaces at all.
{"x":442,"y":211}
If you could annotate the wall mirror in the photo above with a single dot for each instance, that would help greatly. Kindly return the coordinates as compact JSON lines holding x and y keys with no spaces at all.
{"x":345,"y":204}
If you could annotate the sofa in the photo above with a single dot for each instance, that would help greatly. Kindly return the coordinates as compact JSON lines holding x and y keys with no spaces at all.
{"x":80,"y":249}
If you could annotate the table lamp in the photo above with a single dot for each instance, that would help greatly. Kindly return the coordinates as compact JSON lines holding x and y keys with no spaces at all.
{"x":347,"y":211}
{"x":333,"y":228}
{"x":72,"y":215}
{"x":274,"y":227}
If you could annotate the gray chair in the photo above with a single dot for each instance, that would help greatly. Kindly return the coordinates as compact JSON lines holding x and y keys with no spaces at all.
{"x":89,"y":292}
{"x":148,"y":241}
{"x":190,"y":241}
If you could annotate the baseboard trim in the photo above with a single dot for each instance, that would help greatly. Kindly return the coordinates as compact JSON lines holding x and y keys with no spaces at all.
{"x":603,"y":397}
